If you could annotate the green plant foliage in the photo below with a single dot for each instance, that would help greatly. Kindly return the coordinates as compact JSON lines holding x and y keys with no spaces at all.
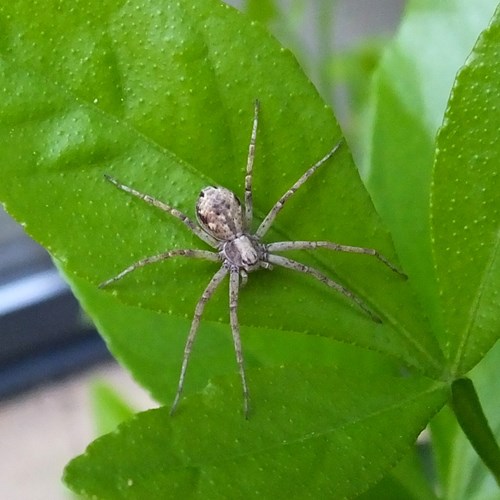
{"x":406,"y":481}
{"x":462,"y":473}
{"x":160,"y":95}
{"x":410,"y":90}
{"x":465,"y":230}
{"x":297,"y":434}
{"x":465,"y":207}
{"x":108,"y":408}
{"x":412,"y":84}
{"x":283,"y":370}
{"x":264,"y":11}
{"x":182,"y":121}
{"x":153,"y":455}
{"x":467,"y":408}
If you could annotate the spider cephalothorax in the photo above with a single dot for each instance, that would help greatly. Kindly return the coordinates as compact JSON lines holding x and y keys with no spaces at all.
{"x":226,"y":226}
{"x":219,"y":213}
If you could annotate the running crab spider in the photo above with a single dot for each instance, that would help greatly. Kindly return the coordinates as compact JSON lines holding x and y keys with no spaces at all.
{"x":225,"y":225}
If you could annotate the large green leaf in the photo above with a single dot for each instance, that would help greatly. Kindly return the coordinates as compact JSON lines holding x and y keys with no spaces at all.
{"x":410,"y":92}
{"x":151,"y":93}
{"x":298,"y":383}
{"x":411,"y":88}
{"x":312,"y":418}
{"x":300,"y":452}
{"x":466,"y":207}
{"x":290,"y":374}
{"x":465,"y":250}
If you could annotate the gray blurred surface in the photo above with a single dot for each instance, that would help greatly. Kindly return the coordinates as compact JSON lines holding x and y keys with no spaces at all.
{"x":19,"y":254}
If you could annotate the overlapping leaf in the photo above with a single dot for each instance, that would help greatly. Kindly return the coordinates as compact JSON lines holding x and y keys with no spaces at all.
{"x":316,"y":408}
{"x":466,"y":207}
{"x":464,"y":190}
{"x":410,"y":93}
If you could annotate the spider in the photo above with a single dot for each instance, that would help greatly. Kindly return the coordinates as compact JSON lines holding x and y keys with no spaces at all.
{"x":226,"y":226}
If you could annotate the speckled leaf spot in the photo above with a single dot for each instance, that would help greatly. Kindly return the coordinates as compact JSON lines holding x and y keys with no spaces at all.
{"x":224,"y":224}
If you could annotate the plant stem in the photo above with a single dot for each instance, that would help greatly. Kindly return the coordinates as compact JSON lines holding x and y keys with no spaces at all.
{"x":467,"y":408}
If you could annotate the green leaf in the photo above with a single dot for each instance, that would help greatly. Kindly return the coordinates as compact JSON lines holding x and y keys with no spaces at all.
{"x":108,"y":407}
{"x":462,"y":474}
{"x":352,"y":70}
{"x":465,"y":207}
{"x":412,"y":85}
{"x":264,"y":11}
{"x":467,"y":408}
{"x":162,"y":104}
{"x":289,"y":437}
{"x":406,"y":481}
{"x":283,"y":369}
{"x":151,"y":345}
{"x":410,"y":93}
{"x":466,"y":234}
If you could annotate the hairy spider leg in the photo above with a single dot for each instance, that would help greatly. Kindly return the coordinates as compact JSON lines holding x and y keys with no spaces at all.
{"x":195,"y":324}
{"x":269,"y":219}
{"x":234,"y":286}
{"x":195,"y":254}
{"x":191,"y":225}
{"x":279,"y":260}
{"x":281,"y":246}
{"x":249,"y":171}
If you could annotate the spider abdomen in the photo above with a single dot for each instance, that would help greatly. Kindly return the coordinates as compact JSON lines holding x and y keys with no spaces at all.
{"x":242,"y":253}
{"x":219,"y":213}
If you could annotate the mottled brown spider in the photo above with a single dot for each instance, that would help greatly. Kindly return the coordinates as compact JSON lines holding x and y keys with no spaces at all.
{"x":226,"y":227}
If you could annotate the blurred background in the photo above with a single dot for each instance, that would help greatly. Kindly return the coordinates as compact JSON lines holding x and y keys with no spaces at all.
{"x":51,"y":355}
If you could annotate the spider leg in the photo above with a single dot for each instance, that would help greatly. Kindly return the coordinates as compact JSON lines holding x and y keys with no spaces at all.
{"x":297,"y":266}
{"x":281,"y":246}
{"x":196,"y":254}
{"x":244,"y":278}
{"x":166,"y":208}
{"x":249,"y":172}
{"x":269,"y":219}
{"x":235,"y":328}
{"x":200,"y":306}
